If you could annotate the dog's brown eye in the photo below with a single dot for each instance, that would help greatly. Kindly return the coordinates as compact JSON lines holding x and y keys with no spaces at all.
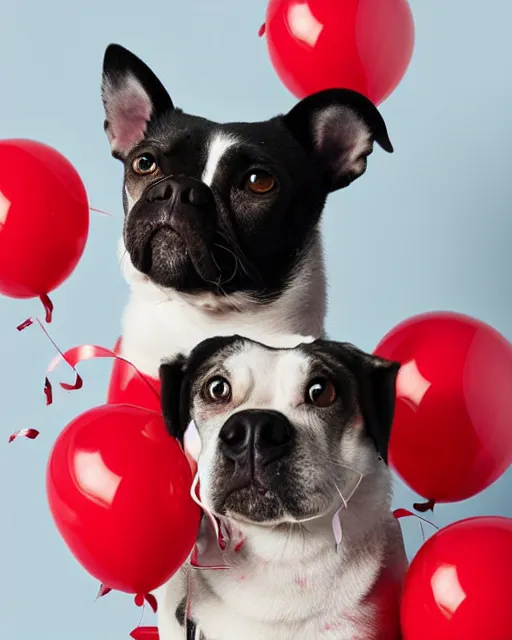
{"x":260,"y":182}
{"x":321,"y":393}
{"x":144,"y":164}
{"x":218,"y":390}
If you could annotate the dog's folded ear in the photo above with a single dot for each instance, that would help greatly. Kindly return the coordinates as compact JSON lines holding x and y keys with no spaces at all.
{"x":377,"y":393}
{"x":174,"y":394}
{"x":376,"y":387}
{"x":132,"y":97}
{"x":338,"y":128}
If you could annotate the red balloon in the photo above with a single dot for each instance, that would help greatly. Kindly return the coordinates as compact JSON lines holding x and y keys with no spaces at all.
{"x":451,"y":433}
{"x":459,"y":585}
{"x":119,"y":491}
{"x":363,"y":45}
{"x":44,"y":218}
{"x":127,"y":386}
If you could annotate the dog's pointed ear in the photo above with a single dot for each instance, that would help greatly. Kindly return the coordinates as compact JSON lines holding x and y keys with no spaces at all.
{"x":338,"y":128}
{"x":132,"y":97}
{"x":175,"y":396}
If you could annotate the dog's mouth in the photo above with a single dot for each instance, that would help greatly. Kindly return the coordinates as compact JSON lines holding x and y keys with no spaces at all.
{"x":186,"y":251}
{"x":251,"y":500}
{"x":159,"y":248}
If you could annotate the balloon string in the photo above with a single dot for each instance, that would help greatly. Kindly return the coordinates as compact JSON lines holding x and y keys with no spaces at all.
{"x":78,"y":354}
{"x":261,"y":30}
{"x":105,"y":213}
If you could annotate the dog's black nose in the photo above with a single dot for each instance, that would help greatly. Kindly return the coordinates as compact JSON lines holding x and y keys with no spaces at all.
{"x":180,"y":190}
{"x":263,"y":436}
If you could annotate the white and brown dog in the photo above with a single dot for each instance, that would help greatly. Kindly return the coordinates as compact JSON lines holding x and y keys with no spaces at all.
{"x":293,"y":459}
{"x":221,"y":231}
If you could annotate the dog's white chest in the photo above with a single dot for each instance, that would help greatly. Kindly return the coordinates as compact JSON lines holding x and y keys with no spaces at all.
{"x":280,"y":615}
{"x":313,"y":602}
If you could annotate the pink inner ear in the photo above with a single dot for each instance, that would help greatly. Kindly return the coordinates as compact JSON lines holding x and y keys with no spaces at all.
{"x":129,"y":110}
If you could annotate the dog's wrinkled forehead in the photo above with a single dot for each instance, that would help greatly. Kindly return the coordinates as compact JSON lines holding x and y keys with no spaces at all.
{"x":259,"y":376}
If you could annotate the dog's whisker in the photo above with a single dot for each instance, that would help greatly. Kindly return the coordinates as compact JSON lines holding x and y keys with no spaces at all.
{"x":237,"y":262}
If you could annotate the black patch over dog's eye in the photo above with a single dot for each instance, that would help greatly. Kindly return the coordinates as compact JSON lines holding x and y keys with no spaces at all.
{"x":260,"y":182}
{"x":218,"y":389}
{"x":145,"y":164}
{"x":321,"y":393}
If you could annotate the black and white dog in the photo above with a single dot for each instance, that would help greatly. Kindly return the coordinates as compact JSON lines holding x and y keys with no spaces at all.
{"x":221,"y":231}
{"x":291,"y":440}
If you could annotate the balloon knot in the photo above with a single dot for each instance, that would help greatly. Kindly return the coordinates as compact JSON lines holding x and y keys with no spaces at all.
{"x":261,"y":30}
{"x":423,"y":507}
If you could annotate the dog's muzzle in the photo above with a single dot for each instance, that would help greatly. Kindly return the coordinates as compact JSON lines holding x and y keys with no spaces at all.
{"x":252,"y":439}
{"x":180,"y":194}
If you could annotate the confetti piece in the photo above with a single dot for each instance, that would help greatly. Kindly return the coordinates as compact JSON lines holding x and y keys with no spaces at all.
{"x":239,"y":546}
{"x":31,"y":434}
{"x":48,"y":391}
{"x":336,"y":527}
{"x":27,"y":323}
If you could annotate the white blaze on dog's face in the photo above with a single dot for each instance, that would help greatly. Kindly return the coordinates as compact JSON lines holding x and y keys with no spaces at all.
{"x":228,"y":208}
{"x":282,"y":430}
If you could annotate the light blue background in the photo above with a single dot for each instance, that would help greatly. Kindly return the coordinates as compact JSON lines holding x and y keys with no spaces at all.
{"x":427,"y":228}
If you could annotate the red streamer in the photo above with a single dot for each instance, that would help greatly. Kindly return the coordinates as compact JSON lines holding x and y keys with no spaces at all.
{"x":78,"y":384}
{"x":145,"y":633}
{"x":405,"y":513}
{"x":31,"y":434}
{"x":48,"y":307}
{"x":83,"y":352}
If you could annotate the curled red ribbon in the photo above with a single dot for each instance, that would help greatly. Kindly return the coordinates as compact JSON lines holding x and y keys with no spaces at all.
{"x":48,"y":307}
{"x":78,"y":384}
{"x":78,"y":354}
